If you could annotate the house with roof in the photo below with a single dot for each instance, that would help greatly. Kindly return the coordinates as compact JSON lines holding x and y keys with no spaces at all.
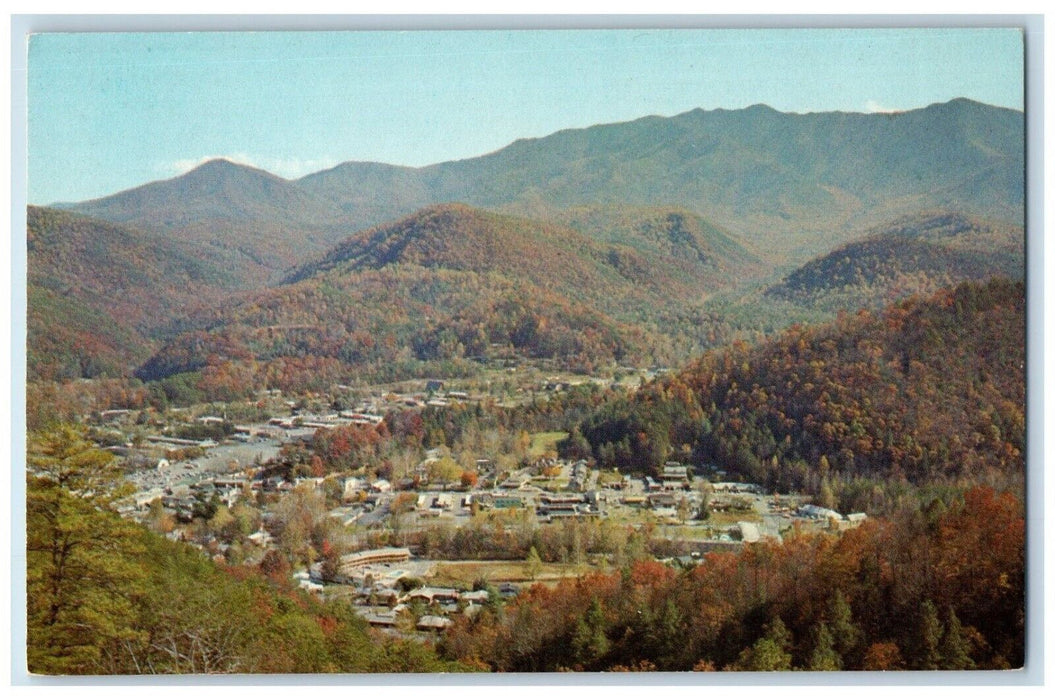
{"x":674,"y":476}
{"x":818,"y":513}
{"x":475,"y":596}
{"x":381,"y":619}
{"x":433,"y":623}
{"x":429,"y":595}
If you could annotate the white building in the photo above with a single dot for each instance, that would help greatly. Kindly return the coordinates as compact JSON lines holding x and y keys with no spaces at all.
{"x":748,"y":531}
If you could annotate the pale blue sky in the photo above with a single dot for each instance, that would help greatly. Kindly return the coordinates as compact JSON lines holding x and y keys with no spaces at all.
{"x":112,"y":111}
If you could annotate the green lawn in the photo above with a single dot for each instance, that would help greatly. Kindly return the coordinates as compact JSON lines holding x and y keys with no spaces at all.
{"x":544,"y":442}
{"x":732,"y":517}
{"x":465,"y":573}
{"x":551,"y":484}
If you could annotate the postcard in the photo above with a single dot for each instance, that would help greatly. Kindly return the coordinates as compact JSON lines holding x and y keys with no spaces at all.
{"x":526,"y":350}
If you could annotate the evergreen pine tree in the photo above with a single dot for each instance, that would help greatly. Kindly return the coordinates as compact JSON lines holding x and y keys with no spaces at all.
{"x":771,"y":652}
{"x":589,"y":642}
{"x":954,"y":648}
{"x":664,"y":636}
{"x":928,"y":638}
{"x":846,"y":636}
{"x":824,"y":657}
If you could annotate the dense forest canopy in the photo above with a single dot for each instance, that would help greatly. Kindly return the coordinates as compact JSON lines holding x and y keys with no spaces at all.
{"x":928,"y":389}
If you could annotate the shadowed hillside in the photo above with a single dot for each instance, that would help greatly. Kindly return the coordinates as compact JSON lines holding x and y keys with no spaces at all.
{"x":915,"y":255}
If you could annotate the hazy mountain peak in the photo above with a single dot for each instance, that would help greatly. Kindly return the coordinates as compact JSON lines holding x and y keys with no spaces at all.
{"x":217,"y":190}
{"x":761,"y":108}
{"x":762,"y":174}
{"x":226,"y":168}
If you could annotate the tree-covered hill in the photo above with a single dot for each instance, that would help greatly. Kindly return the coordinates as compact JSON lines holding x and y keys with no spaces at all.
{"x":670,"y":238}
{"x":928,"y":390}
{"x":252,"y":223}
{"x":941,"y":587}
{"x":451,"y":283}
{"x":613,"y":262}
{"x":915,"y":255}
{"x":217,"y":190}
{"x":100,"y":293}
{"x":388,"y":324}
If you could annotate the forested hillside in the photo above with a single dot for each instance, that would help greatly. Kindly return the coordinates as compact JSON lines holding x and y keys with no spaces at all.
{"x":388,"y":324}
{"x":917,"y":255}
{"x":598,"y":264}
{"x":100,"y":293}
{"x":928,"y":390}
{"x":217,"y":190}
{"x":670,"y":238}
{"x":252,"y":224}
{"x":450,"y":283}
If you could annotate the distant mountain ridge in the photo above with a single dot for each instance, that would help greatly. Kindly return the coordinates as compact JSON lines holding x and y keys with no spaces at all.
{"x":756,"y":162}
{"x":645,"y":241}
{"x":253,"y":223}
{"x":754,"y":171}
{"x":215,"y":190}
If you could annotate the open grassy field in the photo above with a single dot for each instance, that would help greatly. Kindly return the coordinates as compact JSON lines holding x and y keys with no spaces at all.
{"x":732,"y":517}
{"x":464,"y":573}
{"x":551,"y":484}
{"x":541,"y":443}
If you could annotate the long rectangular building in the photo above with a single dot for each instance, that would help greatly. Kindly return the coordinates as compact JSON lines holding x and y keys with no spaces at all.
{"x":385,"y":555}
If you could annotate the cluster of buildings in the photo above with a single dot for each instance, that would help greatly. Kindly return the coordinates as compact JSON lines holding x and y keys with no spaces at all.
{"x":378,"y":577}
{"x":551,"y":489}
{"x":814,"y":512}
{"x":673,"y":477}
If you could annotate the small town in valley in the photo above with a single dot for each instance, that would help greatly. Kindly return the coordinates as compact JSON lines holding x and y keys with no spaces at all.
{"x":388,"y":540}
